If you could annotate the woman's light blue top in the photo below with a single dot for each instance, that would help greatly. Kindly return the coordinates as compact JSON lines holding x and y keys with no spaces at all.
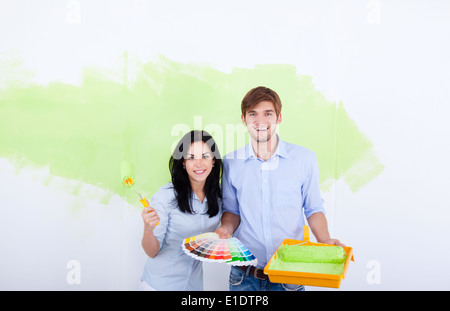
{"x":171,"y":268}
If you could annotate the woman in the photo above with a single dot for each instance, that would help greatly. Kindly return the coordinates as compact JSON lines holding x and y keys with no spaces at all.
{"x":188,"y":206}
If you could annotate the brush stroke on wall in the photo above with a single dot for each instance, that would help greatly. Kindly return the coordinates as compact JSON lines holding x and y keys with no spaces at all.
{"x":83,"y":132}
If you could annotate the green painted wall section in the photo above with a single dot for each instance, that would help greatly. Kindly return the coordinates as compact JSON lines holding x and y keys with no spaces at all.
{"x":136,"y":112}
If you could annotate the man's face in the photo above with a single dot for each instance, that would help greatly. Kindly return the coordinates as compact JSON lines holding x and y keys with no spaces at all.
{"x":261,"y":121}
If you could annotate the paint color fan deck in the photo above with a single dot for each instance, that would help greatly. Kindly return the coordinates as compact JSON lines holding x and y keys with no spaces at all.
{"x":209,"y":247}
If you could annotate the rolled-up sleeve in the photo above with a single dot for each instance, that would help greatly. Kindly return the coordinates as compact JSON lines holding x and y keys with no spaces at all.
{"x":312,"y":199}
{"x":161,"y":202}
{"x":229,"y":201}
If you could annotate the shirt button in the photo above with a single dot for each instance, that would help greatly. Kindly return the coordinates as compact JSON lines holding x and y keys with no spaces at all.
{"x":265,"y":180}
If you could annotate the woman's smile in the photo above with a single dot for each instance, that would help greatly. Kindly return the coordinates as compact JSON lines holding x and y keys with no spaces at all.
{"x":199,"y":172}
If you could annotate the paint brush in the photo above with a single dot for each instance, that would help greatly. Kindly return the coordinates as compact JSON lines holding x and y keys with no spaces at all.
{"x":127,"y":171}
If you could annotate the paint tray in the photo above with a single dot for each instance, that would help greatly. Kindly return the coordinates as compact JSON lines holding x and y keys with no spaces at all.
{"x":307,"y":278}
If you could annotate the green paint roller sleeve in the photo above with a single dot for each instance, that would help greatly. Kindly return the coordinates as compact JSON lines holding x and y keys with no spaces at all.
{"x":312,"y":254}
{"x":126,"y":170}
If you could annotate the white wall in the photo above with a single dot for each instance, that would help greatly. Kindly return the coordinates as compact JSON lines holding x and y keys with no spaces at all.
{"x":387,"y":61}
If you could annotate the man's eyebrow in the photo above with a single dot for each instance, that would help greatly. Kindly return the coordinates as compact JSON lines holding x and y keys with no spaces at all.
{"x":267,"y":110}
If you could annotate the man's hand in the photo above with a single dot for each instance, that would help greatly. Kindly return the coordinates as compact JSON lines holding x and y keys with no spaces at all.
{"x":319,"y":227}
{"x":223,"y":233}
{"x":230,"y":222}
{"x":334,"y":242}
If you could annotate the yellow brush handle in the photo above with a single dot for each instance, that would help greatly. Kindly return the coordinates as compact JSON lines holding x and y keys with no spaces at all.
{"x":146,"y":204}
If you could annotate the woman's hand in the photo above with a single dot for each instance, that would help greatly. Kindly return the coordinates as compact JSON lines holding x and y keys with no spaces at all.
{"x":150,"y":218}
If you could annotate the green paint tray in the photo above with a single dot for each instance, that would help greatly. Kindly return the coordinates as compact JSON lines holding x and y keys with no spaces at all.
{"x":307,"y":278}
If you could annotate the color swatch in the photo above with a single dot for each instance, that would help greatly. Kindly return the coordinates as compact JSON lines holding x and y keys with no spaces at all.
{"x":209,"y":247}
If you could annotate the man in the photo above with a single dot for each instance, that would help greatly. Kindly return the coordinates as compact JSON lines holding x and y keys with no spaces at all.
{"x":267,"y":187}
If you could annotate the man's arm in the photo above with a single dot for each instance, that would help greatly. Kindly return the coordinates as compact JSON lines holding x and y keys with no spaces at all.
{"x":230,"y":217}
{"x":229,"y":224}
{"x":319,"y":227}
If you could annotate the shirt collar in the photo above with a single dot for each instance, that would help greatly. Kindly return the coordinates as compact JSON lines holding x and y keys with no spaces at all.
{"x":195,"y":197}
{"x":281,"y":150}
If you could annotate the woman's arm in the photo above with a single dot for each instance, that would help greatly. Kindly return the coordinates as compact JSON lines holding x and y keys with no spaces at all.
{"x":150,"y":243}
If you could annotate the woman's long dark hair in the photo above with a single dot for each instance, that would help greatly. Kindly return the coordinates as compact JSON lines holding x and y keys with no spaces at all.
{"x":180,"y":178}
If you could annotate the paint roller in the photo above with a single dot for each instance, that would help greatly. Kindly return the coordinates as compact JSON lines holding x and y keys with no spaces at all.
{"x":127,"y":172}
{"x":312,"y":254}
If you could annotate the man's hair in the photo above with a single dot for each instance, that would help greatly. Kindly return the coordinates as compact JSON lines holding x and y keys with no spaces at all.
{"x":259,"y":94}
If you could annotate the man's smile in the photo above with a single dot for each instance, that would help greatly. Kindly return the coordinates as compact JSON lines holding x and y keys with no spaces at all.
{"x":261,"y":128}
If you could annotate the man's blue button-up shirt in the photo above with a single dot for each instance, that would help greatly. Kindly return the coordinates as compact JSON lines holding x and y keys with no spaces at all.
{"x":271,"y":196}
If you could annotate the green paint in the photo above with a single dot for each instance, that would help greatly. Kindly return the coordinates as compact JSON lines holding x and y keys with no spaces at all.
{"x":326,"y":268}
{"x":84,"y":132}
{"x":314,"y":259}
{"x":126,"y":171}
{"x":311,"y":253}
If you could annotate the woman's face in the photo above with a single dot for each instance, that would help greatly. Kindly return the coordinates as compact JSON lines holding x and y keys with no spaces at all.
{"x":198,"y":162}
